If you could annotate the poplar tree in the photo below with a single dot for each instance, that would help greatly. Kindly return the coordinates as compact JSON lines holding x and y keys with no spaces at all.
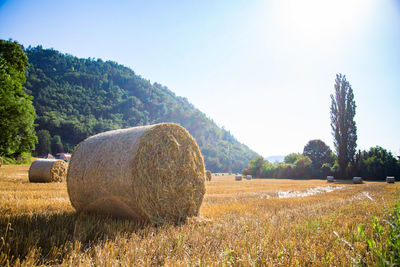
{"x":344,"y":129}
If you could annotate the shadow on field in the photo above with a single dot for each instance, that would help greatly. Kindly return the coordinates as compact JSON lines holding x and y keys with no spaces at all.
{"x":54,"y":235}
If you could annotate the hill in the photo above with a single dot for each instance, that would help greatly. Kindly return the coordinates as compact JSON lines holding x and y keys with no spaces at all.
{"x":75,"y":98}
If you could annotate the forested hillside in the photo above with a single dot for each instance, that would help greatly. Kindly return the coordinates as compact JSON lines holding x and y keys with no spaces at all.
{"x":76,"y":98}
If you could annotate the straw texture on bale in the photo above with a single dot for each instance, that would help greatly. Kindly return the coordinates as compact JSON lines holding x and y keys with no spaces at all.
{"x":48,"y":170}
{"x":238,"y":177}
{"x":208,"y":175}
{"x":151,"y":174}
{"x":357,"y":180}
{"x":330,"y":179}
{"x":390,"y":179}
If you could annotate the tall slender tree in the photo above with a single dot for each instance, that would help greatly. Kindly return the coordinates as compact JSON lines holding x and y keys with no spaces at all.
{"x":344,"y":129}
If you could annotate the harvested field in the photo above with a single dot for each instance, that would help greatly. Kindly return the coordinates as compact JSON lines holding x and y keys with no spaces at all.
{"x":238,"y":225}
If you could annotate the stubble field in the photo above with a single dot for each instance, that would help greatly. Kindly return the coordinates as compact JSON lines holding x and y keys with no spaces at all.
{"x":250,"y":222}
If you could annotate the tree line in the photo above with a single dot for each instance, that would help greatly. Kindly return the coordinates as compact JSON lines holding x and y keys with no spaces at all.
{"x":317,"y":159}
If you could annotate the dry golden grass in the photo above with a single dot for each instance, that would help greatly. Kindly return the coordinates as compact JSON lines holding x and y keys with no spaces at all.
{"x":237,"y":226}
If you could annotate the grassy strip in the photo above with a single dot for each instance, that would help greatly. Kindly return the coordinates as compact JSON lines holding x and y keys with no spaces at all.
{"x":24,"y":159}
{"x":384,"y":242}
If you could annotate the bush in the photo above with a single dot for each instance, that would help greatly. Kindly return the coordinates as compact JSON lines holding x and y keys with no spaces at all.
{"x":24,"y":159}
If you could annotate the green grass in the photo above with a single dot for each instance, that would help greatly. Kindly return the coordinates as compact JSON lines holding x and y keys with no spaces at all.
{"x":384,"y":242}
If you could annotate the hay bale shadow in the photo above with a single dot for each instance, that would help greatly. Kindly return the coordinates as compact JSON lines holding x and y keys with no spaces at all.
{"x":51,"y":236}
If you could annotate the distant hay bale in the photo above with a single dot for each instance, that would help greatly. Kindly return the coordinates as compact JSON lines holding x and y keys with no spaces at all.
{"x":238,"y":177}
{"x":1,"y":162}
{"x":151,"y":174}
{"x":390,"y":179}
{"x":249,"y":177}
{"x":357,"y":180}
{"x":48,"y":170}
{"x":330,"y":179}
{"x":208,"y":175}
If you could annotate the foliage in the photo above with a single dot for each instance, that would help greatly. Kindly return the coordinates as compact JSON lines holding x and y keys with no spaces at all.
{"x":377,"y":163}
{"x":326,"y":169}
{"x":17,"y":113}
{"x":56,"y":145}
{"x":255,"y":167}
{"x":303,"y":165}
{"x":385,"y":240}
{"x":268,"y":169}
{"x":291,"y":158}
{"x":295,"y":166}
{"x":44,"y":143}
{"x":319,"y":153}
{"x":344,"y":130}
{"x":23,"y":159}
{"x":76,"y":98}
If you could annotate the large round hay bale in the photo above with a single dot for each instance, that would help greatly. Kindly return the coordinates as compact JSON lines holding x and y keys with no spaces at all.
{"x":238,"y":177}
{"x":330,"y":179}
{"x":208,"y":175}
{"x":48,"y":170}
{"x":249,"y":177}
{"x":151,"y":173}
{"x":390,"y":179}
{"x":357,"y":180}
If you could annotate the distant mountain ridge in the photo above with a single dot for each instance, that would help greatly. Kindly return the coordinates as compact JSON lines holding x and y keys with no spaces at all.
{"x":75,"y":98}
{"x":274,"y":159}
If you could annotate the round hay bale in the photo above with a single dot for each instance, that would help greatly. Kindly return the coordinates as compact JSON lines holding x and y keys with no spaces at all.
{"x":150,"y":174}
{"x":48,"y":170}
{"x":330,"y":179}
{"x":1,"y":162}
{"x":208,"y":175}
{"x":238,"y":177}
{"x":357,"y":180}
{"x":390,"y":179}
{"x":249,"y":177}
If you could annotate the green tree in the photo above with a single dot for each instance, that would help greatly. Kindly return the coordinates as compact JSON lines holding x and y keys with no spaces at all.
{"x":56,"y":145}
{"x":44,"y":146}
{"x":377,"y":163}
{"x":319,"y":153}
{"x":255,"y":166}
{"x":17,"y":134}
{"x":344,"y":130}
{"x":291,"y":158}
{"x":302,"y":169}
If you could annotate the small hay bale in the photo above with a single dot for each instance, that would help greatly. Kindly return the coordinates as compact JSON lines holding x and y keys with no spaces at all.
{"x":238,"y":177}
{"x":208,"y":175}
{"x":390,"y":179}
{"x":330,"y":179}
{"x":249,"y":177}
{"x":150,"y":174}
{"x":47,"y":171}
{"x":357,"y":180}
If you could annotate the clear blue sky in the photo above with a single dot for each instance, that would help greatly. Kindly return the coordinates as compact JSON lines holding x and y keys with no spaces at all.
{"x":263,"y":69}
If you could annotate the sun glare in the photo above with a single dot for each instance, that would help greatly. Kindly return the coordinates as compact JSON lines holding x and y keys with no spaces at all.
{"x":315,"y":20}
